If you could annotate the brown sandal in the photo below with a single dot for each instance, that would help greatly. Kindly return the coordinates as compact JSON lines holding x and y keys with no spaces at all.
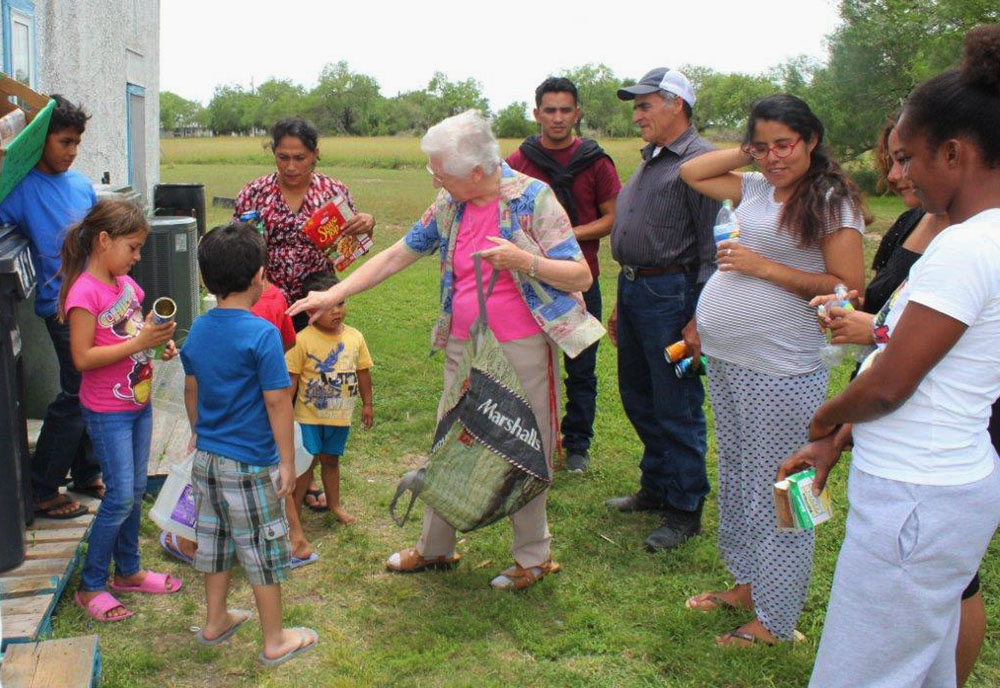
{"x":519,"y":578}
{"x":411,"y":561}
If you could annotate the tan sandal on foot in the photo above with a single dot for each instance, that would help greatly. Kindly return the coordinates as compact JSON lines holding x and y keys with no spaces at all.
{"x":411,"y":561}
{"x":710,"y":602}
{"x":519,"y":578}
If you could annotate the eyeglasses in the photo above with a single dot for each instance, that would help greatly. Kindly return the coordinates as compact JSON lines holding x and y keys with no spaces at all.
{"x":434,"y":175}
{"x":782,"y":149}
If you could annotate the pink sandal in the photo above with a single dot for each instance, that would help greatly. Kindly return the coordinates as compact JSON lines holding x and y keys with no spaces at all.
{"x":100,"y":606}
{"x":152,"y":584}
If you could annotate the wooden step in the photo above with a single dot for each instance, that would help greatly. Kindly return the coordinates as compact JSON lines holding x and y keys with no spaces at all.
{"x":64,"y":663}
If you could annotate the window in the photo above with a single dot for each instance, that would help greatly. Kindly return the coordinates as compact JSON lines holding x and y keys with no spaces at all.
{"x":19,"y":57}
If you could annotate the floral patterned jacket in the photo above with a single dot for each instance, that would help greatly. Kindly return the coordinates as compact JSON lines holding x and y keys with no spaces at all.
{"x":531,"y":218}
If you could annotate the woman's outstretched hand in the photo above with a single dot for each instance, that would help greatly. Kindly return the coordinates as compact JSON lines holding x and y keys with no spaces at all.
{"x":315,"y":302}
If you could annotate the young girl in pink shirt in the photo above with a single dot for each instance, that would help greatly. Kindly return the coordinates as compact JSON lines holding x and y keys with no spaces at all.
{"x":112,"y":346}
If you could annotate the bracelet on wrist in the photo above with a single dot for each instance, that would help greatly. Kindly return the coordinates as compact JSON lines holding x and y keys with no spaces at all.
{"x":533,"y":270}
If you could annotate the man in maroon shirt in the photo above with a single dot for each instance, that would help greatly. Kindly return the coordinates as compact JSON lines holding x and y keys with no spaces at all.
{"x":586,"y":183}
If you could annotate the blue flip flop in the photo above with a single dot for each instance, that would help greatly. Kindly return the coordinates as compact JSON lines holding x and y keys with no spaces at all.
{"x":170,"y":547}
{"x":296,"y":562}
{"x":308,"y":639}
{"x":212,"y":642}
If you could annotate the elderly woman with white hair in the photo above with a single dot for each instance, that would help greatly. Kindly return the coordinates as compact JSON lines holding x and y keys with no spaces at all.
{"x":516,"y":224}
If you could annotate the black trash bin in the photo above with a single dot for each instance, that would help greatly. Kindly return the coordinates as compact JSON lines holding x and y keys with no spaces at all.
{"x":181,"y":199}
{"x":17,"y":280}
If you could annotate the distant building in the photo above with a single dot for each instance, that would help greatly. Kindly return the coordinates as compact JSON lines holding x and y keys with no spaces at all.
{"x":105,"y":54}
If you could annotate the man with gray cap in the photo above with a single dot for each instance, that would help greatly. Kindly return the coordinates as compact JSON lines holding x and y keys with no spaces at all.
{"x":662,"y":237}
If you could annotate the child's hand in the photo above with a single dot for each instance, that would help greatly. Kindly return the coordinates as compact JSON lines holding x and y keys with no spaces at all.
{"x":192,"y":442}
{"x":286,"y":479}
{"x":170,"y":350}
{"x":151,"y":336}
{"x":367,"y":416}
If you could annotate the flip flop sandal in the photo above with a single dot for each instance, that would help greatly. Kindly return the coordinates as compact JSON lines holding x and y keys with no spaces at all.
{"x":95,"y":491}
{"x":317,"y":507}
{"x":519,"y":578}
{"x":298,"y":563}
{"x":305,"y":634}
{"x":98,"y":607}
{"x":152,"y":584}
{"x":212,"y":642}
{"x":168,"y":541}
{"x":63,"y":500}
{"x":737,"y":634}
{"x":716,"y":601}
{"x":410,"y":561}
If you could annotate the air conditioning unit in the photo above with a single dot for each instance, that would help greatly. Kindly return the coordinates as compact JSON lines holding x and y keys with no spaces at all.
{"x":169,"y":267}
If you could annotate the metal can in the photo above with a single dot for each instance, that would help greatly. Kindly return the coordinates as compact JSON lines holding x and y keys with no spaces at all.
{"x":253,"y":217}
{"x":683,"y":368}
{"x":675,"y":351}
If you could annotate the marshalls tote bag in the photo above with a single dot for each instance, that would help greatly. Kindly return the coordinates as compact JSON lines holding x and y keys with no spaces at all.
{"x":487,"y":460}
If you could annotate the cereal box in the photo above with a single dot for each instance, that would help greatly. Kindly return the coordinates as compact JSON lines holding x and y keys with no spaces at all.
{"x":325,"y":229}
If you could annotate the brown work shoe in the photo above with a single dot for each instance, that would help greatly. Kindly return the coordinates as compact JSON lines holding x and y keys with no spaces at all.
{"x":410,"y":561}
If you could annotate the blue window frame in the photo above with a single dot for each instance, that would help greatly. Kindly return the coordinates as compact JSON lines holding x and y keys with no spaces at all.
{"x":20,"y":49}
{"x":135,"y":135}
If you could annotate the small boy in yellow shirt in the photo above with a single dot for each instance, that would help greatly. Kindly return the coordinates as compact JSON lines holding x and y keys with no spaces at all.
{"x":330,"y":367}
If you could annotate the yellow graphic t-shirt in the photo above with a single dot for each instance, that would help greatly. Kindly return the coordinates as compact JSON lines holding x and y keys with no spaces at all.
{"x":327,"y":366}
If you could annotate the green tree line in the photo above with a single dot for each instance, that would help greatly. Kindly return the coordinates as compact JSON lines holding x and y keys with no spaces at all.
{"x":880,"y":51}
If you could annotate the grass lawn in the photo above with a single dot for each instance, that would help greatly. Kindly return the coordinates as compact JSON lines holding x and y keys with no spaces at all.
{"x":613,"y":617}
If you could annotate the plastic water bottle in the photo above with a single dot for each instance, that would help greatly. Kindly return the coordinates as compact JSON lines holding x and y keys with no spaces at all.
{"x":833,"y":354}
{"x":727,"y":227}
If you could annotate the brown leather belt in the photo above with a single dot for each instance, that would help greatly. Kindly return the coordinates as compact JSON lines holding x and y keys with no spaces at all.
{"x":633,"y":271}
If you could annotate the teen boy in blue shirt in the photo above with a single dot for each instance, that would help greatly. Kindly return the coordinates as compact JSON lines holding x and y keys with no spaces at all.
{"x":50,"y":199}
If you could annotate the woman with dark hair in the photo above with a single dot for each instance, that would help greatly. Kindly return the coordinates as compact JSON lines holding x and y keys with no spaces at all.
{"x":923,"y":480}
{"x":801,"y":220}
{"x":284,"y":200}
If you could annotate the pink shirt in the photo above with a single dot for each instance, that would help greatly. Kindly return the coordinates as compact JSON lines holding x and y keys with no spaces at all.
{"x":126,"y":384}
{"x":507,"y":314}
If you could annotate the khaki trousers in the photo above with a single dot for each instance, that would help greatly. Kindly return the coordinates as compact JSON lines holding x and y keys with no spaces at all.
{"x":530,"y":357}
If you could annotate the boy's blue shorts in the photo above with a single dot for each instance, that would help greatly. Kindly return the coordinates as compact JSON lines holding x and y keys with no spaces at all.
{"x":325,"y":439}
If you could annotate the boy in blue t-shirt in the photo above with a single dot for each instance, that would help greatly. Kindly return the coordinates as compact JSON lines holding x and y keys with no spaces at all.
{"x":236,"y":394}
{"x":50,"y":199}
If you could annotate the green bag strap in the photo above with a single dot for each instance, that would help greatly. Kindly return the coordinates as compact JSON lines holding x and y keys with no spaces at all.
{"x":414,"y":482}
{"x":478,"y":265}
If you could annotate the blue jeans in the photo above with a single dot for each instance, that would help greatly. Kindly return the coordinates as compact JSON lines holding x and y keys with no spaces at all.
{"x":581,"y":386}
{"x":63,"y":445}
{"x":121,"y":442}
{"x":664,"y":410}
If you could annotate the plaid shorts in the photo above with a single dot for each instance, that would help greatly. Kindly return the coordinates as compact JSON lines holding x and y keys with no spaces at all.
{"x":239,"y":516}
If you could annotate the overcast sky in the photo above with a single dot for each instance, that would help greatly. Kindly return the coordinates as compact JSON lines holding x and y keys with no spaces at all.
{"x":204,"y":43}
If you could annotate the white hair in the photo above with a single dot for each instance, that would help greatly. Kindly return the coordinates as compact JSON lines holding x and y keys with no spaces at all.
{"x":463,"y":142}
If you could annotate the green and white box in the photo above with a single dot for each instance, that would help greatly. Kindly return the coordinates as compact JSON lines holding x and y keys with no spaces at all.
{"x":796,"y":506}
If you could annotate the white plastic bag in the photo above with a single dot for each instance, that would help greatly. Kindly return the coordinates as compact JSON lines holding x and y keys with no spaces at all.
{"x":174,"y":510}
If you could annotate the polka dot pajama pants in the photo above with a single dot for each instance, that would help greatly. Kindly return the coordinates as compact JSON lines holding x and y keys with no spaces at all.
{"x":759,"y":420}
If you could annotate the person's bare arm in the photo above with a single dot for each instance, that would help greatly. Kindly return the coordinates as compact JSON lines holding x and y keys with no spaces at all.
{"x":601,"y":227}
{"x":920,"y":339}
{"x":365,"y":390}
{"x":280,"y":416}
{"x":842,"y":252}
{"x":191,"y":406}
{"x":713,"y":174}
{"x":567,"y":275}
{"x":379,"y":267}
{"x":87,"y":355}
